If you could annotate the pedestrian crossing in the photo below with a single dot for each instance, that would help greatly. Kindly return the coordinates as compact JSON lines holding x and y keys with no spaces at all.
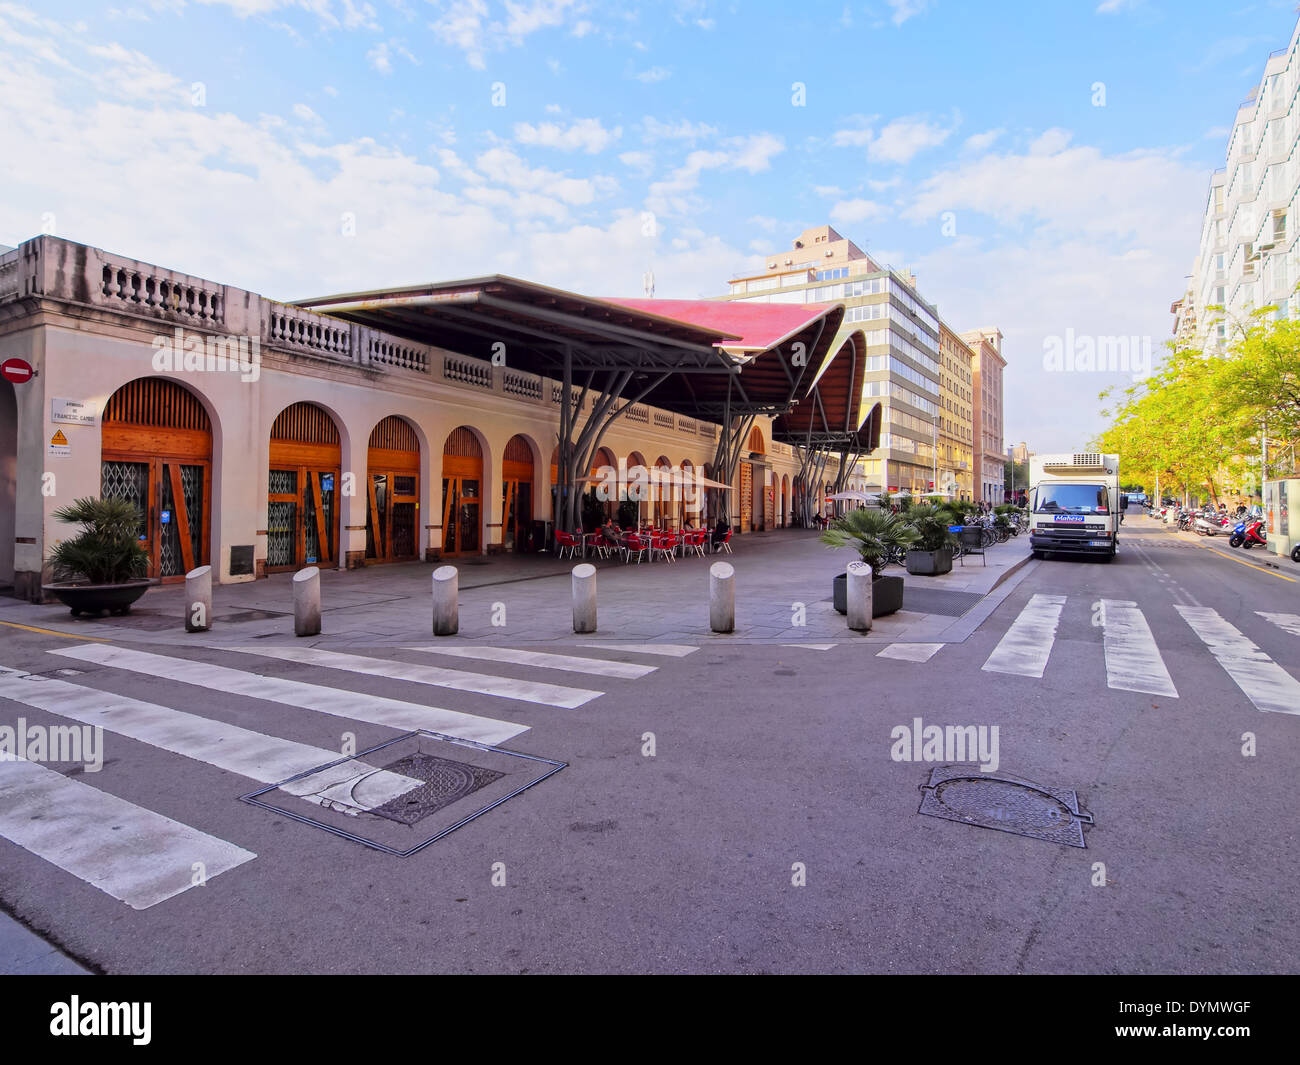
{"x":142,"y":857}
{"x":1133,"y":659}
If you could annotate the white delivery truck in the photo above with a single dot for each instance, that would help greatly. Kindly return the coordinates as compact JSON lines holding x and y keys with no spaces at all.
{"x":1074,"y":504}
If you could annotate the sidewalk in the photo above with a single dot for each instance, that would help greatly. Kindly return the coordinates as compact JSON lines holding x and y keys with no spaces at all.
{"x":24,"y":953}
{"x":660,"y":601}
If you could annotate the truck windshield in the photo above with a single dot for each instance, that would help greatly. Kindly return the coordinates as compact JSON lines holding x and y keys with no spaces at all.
{"x":1072,"y":498}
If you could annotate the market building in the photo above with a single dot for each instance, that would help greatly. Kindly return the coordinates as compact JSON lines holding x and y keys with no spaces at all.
{"x":422,"y":423}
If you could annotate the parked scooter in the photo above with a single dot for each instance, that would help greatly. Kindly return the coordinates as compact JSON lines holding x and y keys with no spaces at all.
{"x":1207,"y":525}
{"x":1252,"y":535}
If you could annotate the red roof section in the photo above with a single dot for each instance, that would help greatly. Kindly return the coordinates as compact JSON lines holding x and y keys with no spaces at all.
{"x":759,"y":326}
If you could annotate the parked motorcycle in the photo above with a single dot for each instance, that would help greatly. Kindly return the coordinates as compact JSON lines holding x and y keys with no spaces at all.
{"x":1252,"y":534}
{"x":1206,"y":525}
{"x":1295,"y":553}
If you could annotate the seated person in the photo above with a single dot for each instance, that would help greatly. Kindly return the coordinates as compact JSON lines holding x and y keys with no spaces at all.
{"x":719,"y":533}
{"x":612,"y":534}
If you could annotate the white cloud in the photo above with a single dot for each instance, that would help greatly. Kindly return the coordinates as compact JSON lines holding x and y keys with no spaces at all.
{"x":981,"y":142}
{"x":847,"y":212}
{"x":460,"y":25}
{"x":904,"y":138}
{"x":382,"y":54}
{"x":586,"y":134}
{"x":828,"y":190}
{"x":1111,"y":7}
{"x":905,"y":9}
{"x":1070,"y":238}
{"x":653,"y":74}
{"x":526,"y":18}
{"x":653,"y":130}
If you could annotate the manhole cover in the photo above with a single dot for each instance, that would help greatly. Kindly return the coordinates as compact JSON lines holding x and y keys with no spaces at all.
{"x":401,"y":795}
{"x":251,"y":615}
{"x":955,"y":793}
{"x":446,"y":782}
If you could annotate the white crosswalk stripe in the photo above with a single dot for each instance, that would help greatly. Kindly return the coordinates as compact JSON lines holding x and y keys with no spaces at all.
{"x":672,"y":650}
{"x":1288,"y":622}
{"x":596,"y":667}
{"x":1026,"y":646}
{"x":1263,"y":681}
{"x":1133,"y":661}
{"x":910,"y":652}
{"x":529,"y":691}
{"x":266,"y":759}
{"x":135,"y":855}
{"x":359,"y":707}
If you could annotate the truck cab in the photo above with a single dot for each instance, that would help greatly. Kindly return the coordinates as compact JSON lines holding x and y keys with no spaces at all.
{"x":1074,"y":504}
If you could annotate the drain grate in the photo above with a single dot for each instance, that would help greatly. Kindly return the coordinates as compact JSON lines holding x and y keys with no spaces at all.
{"x":379,"y":796}
{"x":445,"y":782}
{"x":1006,"y":804}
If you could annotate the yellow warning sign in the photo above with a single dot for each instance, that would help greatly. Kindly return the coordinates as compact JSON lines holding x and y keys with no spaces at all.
{"x":58,"y":439}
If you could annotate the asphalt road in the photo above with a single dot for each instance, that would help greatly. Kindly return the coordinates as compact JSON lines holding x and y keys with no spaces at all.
{"x":766,"y":757}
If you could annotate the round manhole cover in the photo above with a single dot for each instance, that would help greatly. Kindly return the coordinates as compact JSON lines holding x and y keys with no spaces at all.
{"x":1002,"y":803}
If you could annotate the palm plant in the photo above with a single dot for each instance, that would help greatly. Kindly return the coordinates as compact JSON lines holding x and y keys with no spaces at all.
{"x":107,"y":550}
{"x":931,"y":525}
{"x":872,"y":533}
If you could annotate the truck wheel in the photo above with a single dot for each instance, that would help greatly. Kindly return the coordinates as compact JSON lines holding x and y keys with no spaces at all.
{"x":1043,"y":554}
{"x":1108,"y":557}
{"x":1295,"y":553}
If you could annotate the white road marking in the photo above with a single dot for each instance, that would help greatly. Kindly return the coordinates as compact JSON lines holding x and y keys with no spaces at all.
{"x":813,"y":646}
{"x":392,"y":713}
{"x":529,"y":691}
{"x":910,"y":652}
{"x":259,"y":757}
{"x":675,"y":650}
{"x":139,"y":857}
{"x":1289,"y":622}
{"x":599,"y":667}
{"x":1133,"y":661}
{"x":1027,"y":644}
{"x":1263,"y":681}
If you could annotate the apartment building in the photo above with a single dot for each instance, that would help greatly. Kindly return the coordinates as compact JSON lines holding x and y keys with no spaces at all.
{"x":901,"y":333}
{"x":956,"y":432}
{"x":987,"y":366}
{"x":1247,"y":257}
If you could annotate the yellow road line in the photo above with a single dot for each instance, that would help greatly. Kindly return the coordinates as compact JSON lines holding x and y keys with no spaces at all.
{"x":55,"y":632}
{"x":1243,"y":562}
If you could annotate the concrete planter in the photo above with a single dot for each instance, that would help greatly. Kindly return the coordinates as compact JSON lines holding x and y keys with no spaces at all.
{"x":97,"y":598}
{"x":886,"y":595}
{"x":929,"y":563}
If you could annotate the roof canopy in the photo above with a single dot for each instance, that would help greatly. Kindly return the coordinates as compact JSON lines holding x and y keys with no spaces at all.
{"x":833,"y":416}
{"x":720,"y":357}
{"x":537,"y":324}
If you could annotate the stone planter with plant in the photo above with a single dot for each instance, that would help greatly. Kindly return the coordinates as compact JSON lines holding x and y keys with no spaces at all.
{"x":931,"y":553}
{"x":102,"y":568}
{"x":871,"y":533}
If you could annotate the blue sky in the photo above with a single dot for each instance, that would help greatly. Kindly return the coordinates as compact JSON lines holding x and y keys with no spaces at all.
{"x":534,"y":137}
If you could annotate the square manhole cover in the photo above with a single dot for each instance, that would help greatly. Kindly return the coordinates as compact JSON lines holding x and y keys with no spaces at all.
{"x":956,"y":793}
{"x":402,"y":795}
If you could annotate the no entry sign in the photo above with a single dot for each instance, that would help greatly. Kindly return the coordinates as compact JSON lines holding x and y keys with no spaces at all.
{"x":16,"y":370}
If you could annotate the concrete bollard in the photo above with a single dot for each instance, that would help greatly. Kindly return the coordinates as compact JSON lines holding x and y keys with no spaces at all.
{"x":198,"y":599}
{"x":859,"y":596}
{"x":306,"y":602}
{"x":584,"y":598}
{"x":722,"y":597}
{"x":446,"y":601}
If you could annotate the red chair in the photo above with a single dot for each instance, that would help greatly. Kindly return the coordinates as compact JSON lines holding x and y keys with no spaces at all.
{"x":633,"y":542}
{"x":566,"y":542}
{"x":725,"y":543}
{"x":665,"y":544}
{"x":698,"y":541}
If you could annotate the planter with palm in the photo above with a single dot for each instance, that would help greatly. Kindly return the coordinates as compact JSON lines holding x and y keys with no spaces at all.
{"x":103,"y":567}
{"x":873,"y":534}
{"x":931,"y":552}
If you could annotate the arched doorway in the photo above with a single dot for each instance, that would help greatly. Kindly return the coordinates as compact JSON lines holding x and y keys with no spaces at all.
{"x":156,"y":451}
{"x":516,"y":494}
{"x":301,"y":489}
{"x":662,"y":489}
{"x":786,"y":502}
{"x":392,"y":492}
{"x":596,"y":507}
{"x":462,"y":490}
{"x":690,"y":507}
